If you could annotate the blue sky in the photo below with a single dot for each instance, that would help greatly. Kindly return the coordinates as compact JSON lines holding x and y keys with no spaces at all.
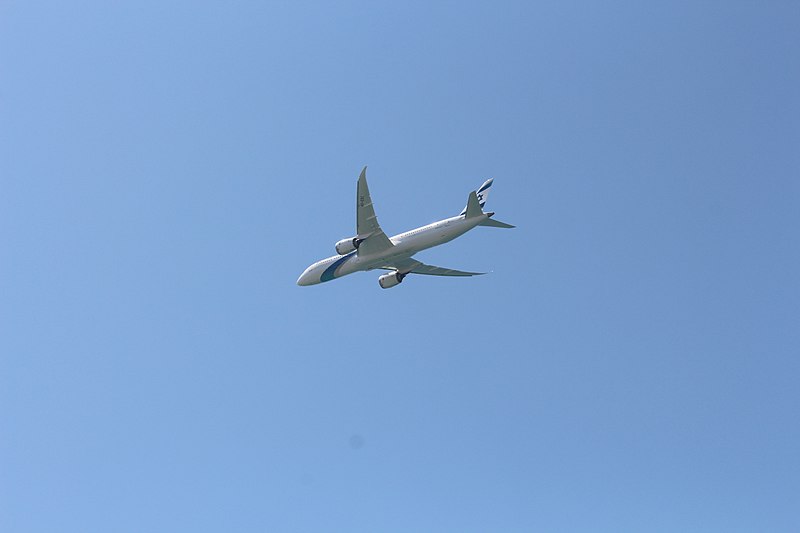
{"x":167,"y":170}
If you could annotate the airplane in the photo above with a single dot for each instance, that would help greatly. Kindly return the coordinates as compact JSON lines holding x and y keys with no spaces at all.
{"x":371,"y":249}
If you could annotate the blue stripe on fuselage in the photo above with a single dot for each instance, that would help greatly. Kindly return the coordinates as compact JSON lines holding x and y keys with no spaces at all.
{"x":330,"y":272}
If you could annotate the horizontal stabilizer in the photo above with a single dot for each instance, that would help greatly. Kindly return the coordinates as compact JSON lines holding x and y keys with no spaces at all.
{"x":495,"y":223}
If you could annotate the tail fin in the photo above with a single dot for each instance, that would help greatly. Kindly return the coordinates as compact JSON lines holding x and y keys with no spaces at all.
{"x":482,"y":194}
{"x":473,"y":208}
{"x":475,"y":203}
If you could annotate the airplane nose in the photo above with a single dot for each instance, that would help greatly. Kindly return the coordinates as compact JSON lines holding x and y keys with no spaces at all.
{"x":304,"y":279}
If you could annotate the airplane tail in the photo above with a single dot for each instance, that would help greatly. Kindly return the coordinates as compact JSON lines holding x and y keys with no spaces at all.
{"x":482,"y":195}
{"x":475,"y":203}
{"x":473,"y":208}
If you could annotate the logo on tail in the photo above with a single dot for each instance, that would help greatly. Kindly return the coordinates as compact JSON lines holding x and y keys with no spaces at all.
{"x":482,"y":193}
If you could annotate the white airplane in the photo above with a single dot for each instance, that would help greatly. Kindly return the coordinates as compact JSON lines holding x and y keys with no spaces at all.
{"x":371,"y":248}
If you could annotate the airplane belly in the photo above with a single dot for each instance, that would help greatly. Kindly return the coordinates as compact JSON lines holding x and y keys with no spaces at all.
{"x":408,"y":245}
{"x":403,"y":247}
{"x":451,"y":232}
{"x":353,"y":265}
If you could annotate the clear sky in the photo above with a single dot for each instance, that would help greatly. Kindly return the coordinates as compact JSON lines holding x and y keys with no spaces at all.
{"x":168,"y":169}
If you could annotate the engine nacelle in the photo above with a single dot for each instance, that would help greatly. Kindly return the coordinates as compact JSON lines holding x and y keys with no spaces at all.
{"x":387,"y":281}
{"x":345,"y":246}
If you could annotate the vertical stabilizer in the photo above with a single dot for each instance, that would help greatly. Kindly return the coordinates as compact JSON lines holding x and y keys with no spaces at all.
{"x":473,"y":208}
{"x":482,"y":194}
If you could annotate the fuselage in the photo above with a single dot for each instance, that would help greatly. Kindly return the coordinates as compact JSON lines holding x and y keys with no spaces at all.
{"x":404,"y":245}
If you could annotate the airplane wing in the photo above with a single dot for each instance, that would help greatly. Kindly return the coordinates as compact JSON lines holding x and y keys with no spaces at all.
{"x":411,"y":265}
{"x":367,"y":227}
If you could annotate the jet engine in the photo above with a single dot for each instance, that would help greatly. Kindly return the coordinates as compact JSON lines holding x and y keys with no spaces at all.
{"x":345,"y":246}
{"x":387,"y":281}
